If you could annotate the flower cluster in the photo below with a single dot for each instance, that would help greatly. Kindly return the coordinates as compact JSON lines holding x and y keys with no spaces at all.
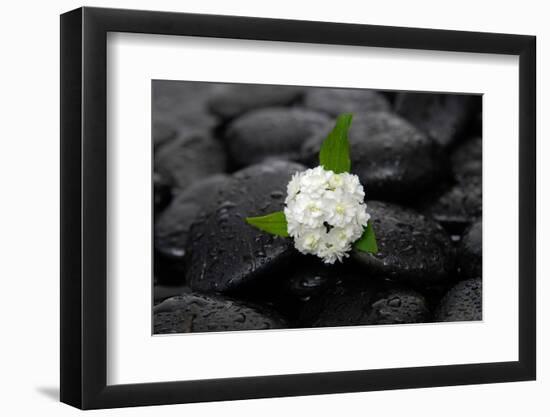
{"x":325,"y":212}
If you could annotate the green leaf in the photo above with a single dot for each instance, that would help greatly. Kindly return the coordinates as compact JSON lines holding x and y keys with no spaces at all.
{"x":367,"y":242}
{"x":334,"y":154}
{"x":274,"y":223}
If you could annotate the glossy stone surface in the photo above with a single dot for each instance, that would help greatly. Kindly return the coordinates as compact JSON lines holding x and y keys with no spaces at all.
{"x":273,"y":132}
{"x":392,"y":158}
{"x":190,"y":157}
{"x":184,"y":105}
{"x":357,"y":299}
{"x":163,"y":133}
{"x":173,"y":225}
{"x":399,"y":306}
{"x":233,"y":100}
{"x":412,"y":247}
{"x":193,"y":312}
{"x":226,"y":252}
{"x":463,"y":302}
{"x":470,"y":251}
{"x":444,"y":117}
{"x":162,"y":191}
{"x":467,"y":159}
{"x":460,"y":205}
{"x":337,"y":101}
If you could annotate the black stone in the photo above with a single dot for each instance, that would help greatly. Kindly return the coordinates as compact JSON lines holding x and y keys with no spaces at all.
{"x":163,"y":133}
{"x":469,"y":259}
{"x":335,"y":101}
{"x":467,"y":159}
{"x":183,"y":105}
{"x":412,"y":247}
{"x":162,"y":187}
{"x":463,"y":302}
{"x":399,"y":306}
{"x":190,"y":157}
{"x":297,"y":285}
{"x":359,"y":300}
{"x":392,"y":158}
{"x":459,"y":206}
{"x":310,"y":277}
{"x":273,"y":132}
{"x":162,"y":292}
{"x":194,"y":312}
{"x":226,"y":252}
{"x":443,"y":116}
{"x":346,"y":303}
{"x":172,"y":226}
{"x":234,"y":100}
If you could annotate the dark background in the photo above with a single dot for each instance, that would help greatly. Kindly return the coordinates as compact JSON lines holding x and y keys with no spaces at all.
{"x":223,"y":152}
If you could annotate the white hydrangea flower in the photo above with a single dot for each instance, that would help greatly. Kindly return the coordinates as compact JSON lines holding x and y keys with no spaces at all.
{"x":325,"y":212}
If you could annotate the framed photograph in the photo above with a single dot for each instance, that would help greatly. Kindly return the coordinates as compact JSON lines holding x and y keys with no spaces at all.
{"x":259,"y":208}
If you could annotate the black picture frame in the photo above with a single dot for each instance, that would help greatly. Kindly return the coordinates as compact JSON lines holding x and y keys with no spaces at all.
{"x":83,"y":207}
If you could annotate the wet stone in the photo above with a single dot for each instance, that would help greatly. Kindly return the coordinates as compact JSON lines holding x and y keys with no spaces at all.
{"x":399,"y":306}
{"x":193,"y":312}
{"x":162,"y":187}
{"x":172,"y":226}
{"x":190,"y":157}
{"x":357,"y":299}
{"x":273,"y":132}
{"x":393,"y":159}
{"x":310,"y":279}
{"x":346,"y":303}
{"x":443,"y":116}
{"x":412,"y":247}
{"x":162,"y":292}
{"x":226,"y":252}
{"x":234,"y":100}
{"x":459,"y":206}
{"x":476,"y":127}
{"x":295,"y":285}
{"x":467,"y":159}
{"x":463,"y":302}
{"x":389,"y":95}
{"x":184,"y":105}
{"x":303,"y":282}
{"x":337,"y":101}
{"x":469,"y":258}
{"x":163,"y":133}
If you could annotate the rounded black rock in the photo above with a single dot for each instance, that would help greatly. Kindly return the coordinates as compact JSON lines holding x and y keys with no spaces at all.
{"x":273,"y":132}
{"x":399,"y":306}
{"x":162,"y":292}
{"x":237,"y":99}
{"x":469,"y":259}
{"x":163,"y":133}
{"x":183,"y":105}
{"x":346,"y":303}
{"x":460,"y":205}
{"x":309,"y":277}
{"x":392,"y":158}
{"x":444,"y":117}
{"x":172,"y":226}
{"x":190,"y":157}
{"x":335,"y":101}
{"x":463,"y":302}
{"x":360,"y":300}
{"x":467,"y":159}
{"x":162,"y":191}
{"x":295,"y":285}
{"x":228,"y":253}
{"x":411,"y":247}
{"x":194,"y":312}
